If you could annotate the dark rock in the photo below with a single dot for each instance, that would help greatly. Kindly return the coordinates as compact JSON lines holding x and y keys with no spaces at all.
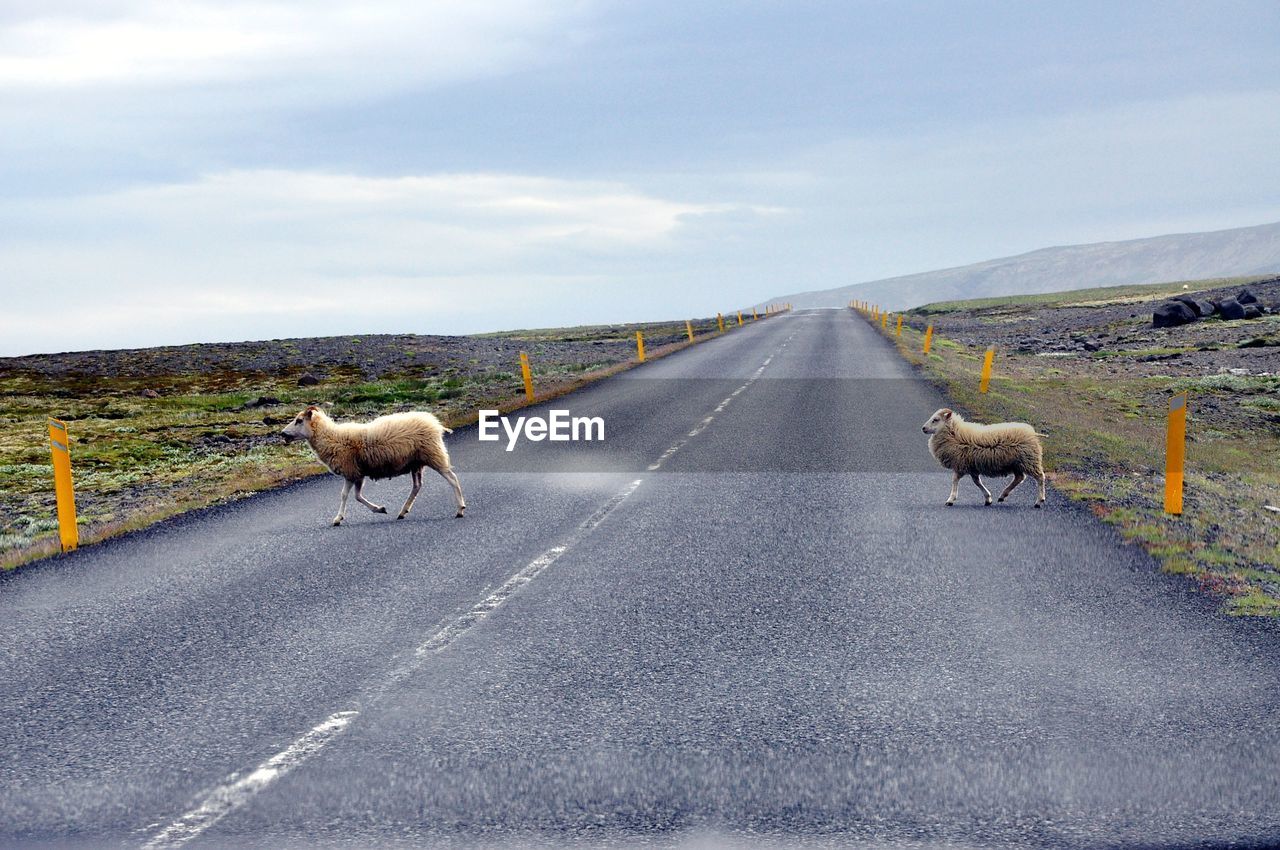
{"x":263,"y":401}
{"x":1153,"y":358}
{"x":149,"y":393}
{"x":1092,"y":345}
{"x":1247,"y":297}
{"x":1231,"y":309}
{"x":1259,"y":342}
{"x":308,"y":380}
{"x":1202,"y":308}
{"x":1171,"y":314}
{"x":271,"y":420}
{"x":1192,"y":302}
{"x":1252,"y":311}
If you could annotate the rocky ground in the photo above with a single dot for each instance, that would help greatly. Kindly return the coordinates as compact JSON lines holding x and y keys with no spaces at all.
{"x":1117,"y":340}
{"x":371,"y":357}
{"x":1085,"y":328}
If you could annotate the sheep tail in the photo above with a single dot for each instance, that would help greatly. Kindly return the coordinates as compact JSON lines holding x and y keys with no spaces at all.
{"x":447,"y":430}
{"x":1038,"y":434}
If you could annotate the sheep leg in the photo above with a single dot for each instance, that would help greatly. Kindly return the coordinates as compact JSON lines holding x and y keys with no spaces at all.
{"x":955,"y":490}
{"x":1018,"y":478}
{"x":452,"y":477}
{"x":977,"y":479}
{"x":342,"y":508}
{"x":377,"y":509}
{"x":1040,"y":479}
{"x":413,"y":494}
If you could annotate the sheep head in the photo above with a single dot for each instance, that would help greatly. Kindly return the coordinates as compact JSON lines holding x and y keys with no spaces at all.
{"x":938,"y":421}
{"x":300,"y":428}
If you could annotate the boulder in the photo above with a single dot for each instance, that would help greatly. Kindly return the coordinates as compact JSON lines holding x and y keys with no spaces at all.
{"x":148,"y":393}
{"x":263,"y":401}
{"x":1231,"y":309}
{"x":1192,"y":302}
{"x":1253,"y":311}
{"x":1247,"y":297}
{"x":1171,"y":314}
{"x":308,"y":380}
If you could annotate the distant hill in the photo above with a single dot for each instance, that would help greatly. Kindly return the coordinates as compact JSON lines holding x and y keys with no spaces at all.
{"x":1181,"y":256}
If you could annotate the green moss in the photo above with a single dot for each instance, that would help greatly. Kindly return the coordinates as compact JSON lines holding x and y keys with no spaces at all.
{"x":1181,"y":567}
{"x":1255,"y":604}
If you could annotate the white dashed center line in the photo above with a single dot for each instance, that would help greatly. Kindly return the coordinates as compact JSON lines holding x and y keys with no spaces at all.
{"x":702,"y":426}
{"x":238,"y":790}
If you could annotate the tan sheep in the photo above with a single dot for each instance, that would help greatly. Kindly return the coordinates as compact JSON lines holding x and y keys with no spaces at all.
{"x":384,"y":448}
{"x":967,"y":448}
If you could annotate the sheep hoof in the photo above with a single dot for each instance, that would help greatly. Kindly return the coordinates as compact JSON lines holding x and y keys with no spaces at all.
{"x":1039,"y":505}
{"x":337,"y":521}
{"x":1001,"y":499}
{"x":402,"y":516}
{"x":382,"y":509}
{"x":948,"y":504}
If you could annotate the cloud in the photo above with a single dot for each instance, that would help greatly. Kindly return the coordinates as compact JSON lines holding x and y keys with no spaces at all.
{"x":286,"y":252}
{"x":318,"y":46}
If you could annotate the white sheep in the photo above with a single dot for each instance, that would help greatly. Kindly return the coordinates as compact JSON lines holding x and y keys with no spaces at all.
{"x":967,"y":448}
{"x":384,"y":448}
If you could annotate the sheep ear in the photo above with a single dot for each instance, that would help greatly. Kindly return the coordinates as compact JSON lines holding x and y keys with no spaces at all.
{"x":946,"y":414}
{"x":306,"y":414}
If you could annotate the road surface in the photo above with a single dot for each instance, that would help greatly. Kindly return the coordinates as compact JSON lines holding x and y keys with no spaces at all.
{"x":744,"y":619}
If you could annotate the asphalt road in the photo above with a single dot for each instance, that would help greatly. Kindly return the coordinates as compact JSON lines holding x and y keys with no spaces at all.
{"x":744,"y":619}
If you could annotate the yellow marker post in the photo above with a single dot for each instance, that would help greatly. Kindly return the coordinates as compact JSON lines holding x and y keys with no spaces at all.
{"x":755,"y":317}
{"x":884,"y":321}
{"x":720,"y":321}
{"x":60,"y":446}
{"x":899,"y":332}
{"x":1175,"y":454}
{"x":528,"y":376}
{"x":688,"y":326}
{"x":928,"y":338}
{"x":640,"y":346}
{"x":986,"y":369}
{"x":739,"y":318}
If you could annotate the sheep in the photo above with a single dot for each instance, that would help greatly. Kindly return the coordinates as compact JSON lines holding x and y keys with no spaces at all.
{"x":384,"y":448}
{"x":967,"y":448}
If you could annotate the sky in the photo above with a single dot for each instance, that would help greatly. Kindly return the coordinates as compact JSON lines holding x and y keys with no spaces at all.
{"x":179,"y":171}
